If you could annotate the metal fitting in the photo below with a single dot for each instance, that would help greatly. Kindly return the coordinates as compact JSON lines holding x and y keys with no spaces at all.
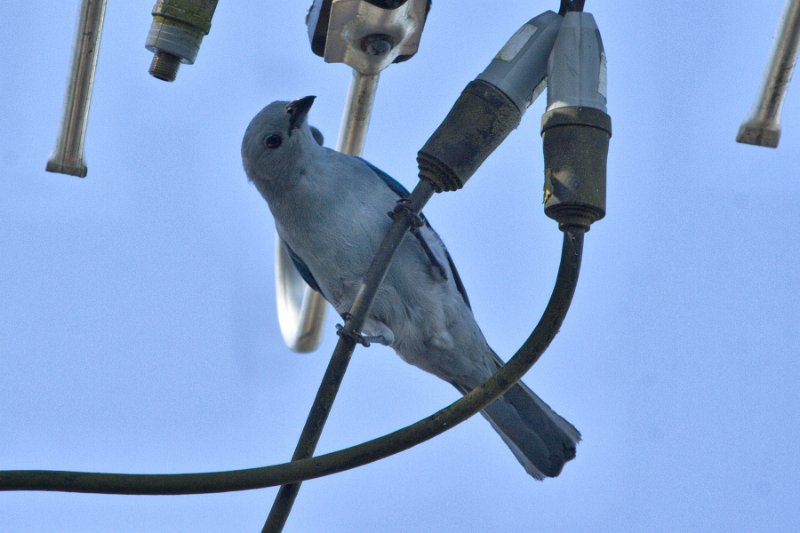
{"x":68,"y":155}
{"x":368,"y":35}
{"x":577,"y":65}
{"x":176,"y":34}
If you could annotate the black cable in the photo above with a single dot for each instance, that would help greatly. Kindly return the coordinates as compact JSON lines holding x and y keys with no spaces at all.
{"x":405,"y":216}
{"x":364,"y":453}
{"x":570,"y":5}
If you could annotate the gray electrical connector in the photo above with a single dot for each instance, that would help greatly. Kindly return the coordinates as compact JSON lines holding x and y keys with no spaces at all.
{"x":577,"y":65}
{"x":520,"y":68}
{"x":490,"y":106}
{"x":575,"y":128}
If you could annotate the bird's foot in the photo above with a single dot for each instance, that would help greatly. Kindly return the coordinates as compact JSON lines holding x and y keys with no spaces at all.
{"x":385,"y":337}
{"x":402,"y":208}
{"x":418,"y":221}
{"x":352,"y":335}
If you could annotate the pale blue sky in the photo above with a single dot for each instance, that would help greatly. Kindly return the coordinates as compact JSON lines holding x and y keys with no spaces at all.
{"x":138,"y":331}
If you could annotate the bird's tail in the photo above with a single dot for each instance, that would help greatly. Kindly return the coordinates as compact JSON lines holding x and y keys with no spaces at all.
{"x":540,"y":439}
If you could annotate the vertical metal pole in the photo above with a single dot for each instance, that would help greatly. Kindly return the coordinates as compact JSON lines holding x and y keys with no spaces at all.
{"x":763,"y":126}
{"x":301,"y":310}
{"x":352,"y":136}
{"x":357,"y":112}
{"x":67,"y":157}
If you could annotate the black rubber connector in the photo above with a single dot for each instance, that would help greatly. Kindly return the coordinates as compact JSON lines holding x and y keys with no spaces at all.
{"x":575,"y":143}
{"x":479,"y":121}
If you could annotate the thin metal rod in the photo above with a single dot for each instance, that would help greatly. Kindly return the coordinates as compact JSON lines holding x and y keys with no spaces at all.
{"x":763,"y":126}
{"x":68,"y":156}
{"x":301,"y":310}
{"x":364,"y":453}
{"x":357,"y":112}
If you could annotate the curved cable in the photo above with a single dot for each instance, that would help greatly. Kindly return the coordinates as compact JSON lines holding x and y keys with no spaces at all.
{"x":367,"y":452}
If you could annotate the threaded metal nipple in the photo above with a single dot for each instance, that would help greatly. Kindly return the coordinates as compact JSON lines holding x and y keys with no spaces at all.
{"x":164,"y":66}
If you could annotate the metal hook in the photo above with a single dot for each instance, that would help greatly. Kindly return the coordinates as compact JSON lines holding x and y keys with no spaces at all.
{"x":68,"y":156}
{"x":763,"y":127}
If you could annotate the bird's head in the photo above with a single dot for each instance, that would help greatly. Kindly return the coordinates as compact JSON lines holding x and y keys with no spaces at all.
{"x":278,"y":140}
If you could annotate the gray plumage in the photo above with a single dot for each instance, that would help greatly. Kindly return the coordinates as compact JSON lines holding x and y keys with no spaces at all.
{"x":330,"y":210}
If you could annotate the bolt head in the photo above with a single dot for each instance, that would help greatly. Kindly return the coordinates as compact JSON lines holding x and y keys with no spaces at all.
{"x":377,"y":44}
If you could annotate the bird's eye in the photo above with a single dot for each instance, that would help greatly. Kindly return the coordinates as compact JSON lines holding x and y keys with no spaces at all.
{"x":273,"y":141}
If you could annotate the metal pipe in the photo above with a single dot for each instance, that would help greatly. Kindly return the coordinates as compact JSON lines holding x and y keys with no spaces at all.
{"x":763,"y":126}
{"x":357,"y":112}
{"x":68,"y":156}
{"x":301,"y":310}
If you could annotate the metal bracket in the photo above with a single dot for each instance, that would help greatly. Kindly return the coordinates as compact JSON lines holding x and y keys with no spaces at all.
{"x":367,"y":35}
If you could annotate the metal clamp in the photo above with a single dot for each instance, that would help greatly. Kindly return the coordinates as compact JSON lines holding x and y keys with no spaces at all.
{"x":367,"y":35}
{"x":763,"y":127}
{"x":68,"y":156}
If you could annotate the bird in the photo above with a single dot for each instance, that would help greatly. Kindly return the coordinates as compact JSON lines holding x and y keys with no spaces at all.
{"x":330,"y":211}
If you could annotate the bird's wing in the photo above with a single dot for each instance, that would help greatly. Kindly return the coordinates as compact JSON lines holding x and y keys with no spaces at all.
{"x":402,"y":192}
{"x":302,"y":268}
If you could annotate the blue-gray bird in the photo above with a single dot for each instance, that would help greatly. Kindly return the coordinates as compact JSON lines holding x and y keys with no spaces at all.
{"x":330,"y":210}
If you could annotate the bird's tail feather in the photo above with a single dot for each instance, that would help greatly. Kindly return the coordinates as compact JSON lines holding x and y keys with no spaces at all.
{"x":540,"y":439}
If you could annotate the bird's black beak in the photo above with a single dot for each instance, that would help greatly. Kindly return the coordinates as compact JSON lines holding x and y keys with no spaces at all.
{"x":298,"y":110}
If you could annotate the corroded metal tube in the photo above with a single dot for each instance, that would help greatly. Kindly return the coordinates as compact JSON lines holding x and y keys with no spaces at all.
{"x":763,"y":126}
{"x":68,"y":155}
{"x":175,"y":35}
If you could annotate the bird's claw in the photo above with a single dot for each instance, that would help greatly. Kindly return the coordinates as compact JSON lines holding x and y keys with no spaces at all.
{"x":417,"y":221}
{"x":402,"y":208}
{"x":350,"y":334}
